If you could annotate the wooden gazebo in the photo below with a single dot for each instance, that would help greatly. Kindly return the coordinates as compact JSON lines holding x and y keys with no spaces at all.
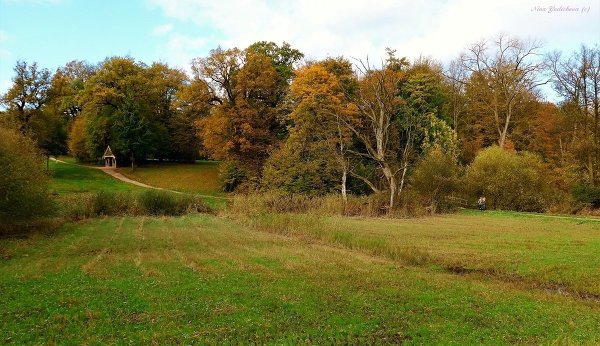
{"x":110,"y":161}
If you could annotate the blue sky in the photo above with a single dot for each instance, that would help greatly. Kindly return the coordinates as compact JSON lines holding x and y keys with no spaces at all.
{"x":53,"y":32}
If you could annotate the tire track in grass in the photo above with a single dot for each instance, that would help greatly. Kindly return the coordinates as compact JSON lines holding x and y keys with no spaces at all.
{"x":480,"y":274}
{"x":139,"y":236}
{"x":87,"y":268}
{"x":138,"y":259}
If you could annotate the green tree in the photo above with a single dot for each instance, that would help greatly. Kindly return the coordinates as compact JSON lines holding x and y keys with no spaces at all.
{"x":131,"y":133}
{"x":28,"y":94}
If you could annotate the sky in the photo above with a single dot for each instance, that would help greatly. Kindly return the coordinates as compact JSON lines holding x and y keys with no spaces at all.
{"x":54,"y":32}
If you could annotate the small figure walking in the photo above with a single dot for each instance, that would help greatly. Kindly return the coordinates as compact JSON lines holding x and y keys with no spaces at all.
{"x":481,"y":203}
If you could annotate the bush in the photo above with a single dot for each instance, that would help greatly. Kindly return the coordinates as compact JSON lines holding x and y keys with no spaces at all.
{"x":231,"y":175}
{"x":112,"y":203}
{"x":23,"y":182}
{"x":149,"y":202}
{"x":508,"y":180}
{"x":587,"y":194}
{"x":296,"y":170}
{"x":435,"y":178}
{"x":157,"y":202}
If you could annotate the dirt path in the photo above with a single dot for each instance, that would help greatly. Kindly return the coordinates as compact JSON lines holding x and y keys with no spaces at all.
{"x":121,"y":177}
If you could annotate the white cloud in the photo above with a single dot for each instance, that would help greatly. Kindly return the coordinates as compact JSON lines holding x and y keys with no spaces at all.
{"x":162,"y":30}
{"x":179,"y":50}
{"x":359,"y":28}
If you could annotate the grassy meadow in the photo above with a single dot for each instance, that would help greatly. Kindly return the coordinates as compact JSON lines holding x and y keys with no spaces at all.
{"x":200,"y":177}
{"x":69,"y":179}
{"x":239,"y":278}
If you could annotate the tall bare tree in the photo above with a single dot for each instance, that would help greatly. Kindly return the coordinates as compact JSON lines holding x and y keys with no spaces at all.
{"x":577,"y":80}
{"x":378,"y":129}
{"x":512,"y":70}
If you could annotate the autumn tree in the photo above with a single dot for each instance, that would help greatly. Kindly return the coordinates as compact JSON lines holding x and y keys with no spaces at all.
{"x":314,"y":158}
{"x":379,"y":127}
{"x":402,"y":114}
{"x":67,"y":86}
{"x":33,"y":102}
{"x":192,"y":103}
{"x":118,"y":81}
{"x":576,"y":79}
{"x":501,"y":74}
{"x":245,"y":89}
{"x":130,"y":105}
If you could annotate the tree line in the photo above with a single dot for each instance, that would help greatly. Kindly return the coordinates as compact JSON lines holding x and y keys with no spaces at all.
{"x":393,"y":128}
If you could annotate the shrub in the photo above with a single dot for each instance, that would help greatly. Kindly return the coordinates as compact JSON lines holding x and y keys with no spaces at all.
{"x":23,"y":183}
{"x":435,"y":178}
{"x":157,"y":202}
{"x":276,"y":202}
{"x":508,"y":180}
{"x":231,"y":175}
{"x":112,"y":203}
{"x":295,"y":170}
{"x":588,"y":194}
{"x":150,"y":202}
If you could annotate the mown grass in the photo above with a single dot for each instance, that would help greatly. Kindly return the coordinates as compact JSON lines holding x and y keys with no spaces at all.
{"x":71,"y":182}
{"x":259,"y":277}
{"x":204,"y":279}
{"x":531,"y":251}
{"x":200,"y":177}
{"x":73,"y":178}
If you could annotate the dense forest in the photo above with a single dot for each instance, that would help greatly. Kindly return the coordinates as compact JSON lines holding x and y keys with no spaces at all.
{"x":405,"y":131}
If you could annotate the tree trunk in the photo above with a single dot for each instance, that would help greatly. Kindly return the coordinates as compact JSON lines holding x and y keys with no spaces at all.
{"x":132,"y":158}
{"x":344,"y":191}
{"x":402,"y":178}
{"x":389,"y":175}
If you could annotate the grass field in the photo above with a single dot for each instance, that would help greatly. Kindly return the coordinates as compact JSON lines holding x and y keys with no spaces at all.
{"x":206,"y":279}
{"x":468,"y":278}
{"x":200,"y":177}
{"x":72,"y":179}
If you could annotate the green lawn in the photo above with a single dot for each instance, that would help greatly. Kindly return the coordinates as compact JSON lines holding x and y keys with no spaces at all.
{"x":68,"y":180}
{"x":527,"y":250}
{"x":207,"y":279}
{"x":73,"y":178}
{"x":200,"y":177}
{"x":468,"y":278}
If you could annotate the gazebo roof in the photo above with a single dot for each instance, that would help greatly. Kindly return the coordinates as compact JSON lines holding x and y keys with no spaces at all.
{"x":108,"y":153}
